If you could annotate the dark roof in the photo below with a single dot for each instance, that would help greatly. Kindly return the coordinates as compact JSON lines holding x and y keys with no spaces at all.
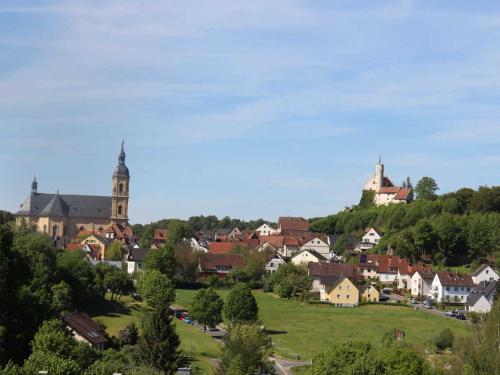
{"x":484,"y":288}
{"x":455,"y":279}
{"x":66,"y":205}
{"x":332,"y":270}
{"x":212,"y":261}
{"x":86,"y":327}
{"x":137,"y":255}
{"x":293,"y":223}
{"x":426,"y":275}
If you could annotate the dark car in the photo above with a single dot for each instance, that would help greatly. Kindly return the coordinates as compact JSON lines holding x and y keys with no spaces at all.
{"x":460,"y":316}
{"x":136,"y":296}
{"x":383,"y":298}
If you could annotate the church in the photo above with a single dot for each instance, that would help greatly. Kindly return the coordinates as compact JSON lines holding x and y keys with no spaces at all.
{"x":385,"y":192}
{"x":63,"y":216}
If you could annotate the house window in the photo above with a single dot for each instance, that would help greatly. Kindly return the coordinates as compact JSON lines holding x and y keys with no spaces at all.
{"x":487,"y":271}
{"x":338,"y":295}
{"x":347,"y":296}
{"x":468,"y":289}
{"x":456,"y":289}
{"x":448,"y":288}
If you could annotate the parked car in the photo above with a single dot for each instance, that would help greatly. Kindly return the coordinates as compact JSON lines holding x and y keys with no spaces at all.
{"x":460,"y":316}
{"x":136,"y":296}
{"x":386,"y":291}
{"x":450,"y":313}
{"x":427,"y":304}
{"x":383,"y":298}
{"x":414,"y":301}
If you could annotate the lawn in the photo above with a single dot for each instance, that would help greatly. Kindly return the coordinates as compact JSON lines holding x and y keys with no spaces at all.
{"x":200,"y":348}
{"x":302,"y":329}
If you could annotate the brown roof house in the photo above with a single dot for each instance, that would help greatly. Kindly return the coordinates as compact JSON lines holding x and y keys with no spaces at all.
{"x":218,"y":264}
{"x":322,"y":272}
{"x":451,"y":287}
{"x":86,"y":330}
{"x":292,"y":226}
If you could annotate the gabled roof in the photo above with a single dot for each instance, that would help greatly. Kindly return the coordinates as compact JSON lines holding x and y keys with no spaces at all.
{"x":480,"y":269}
{"x":160,"y":235}
{"x":137,"y":254}
{"x":224,"y":247}
{"x":333,"y":282}
{"x":426,"y":275}
{"x":293,"y":223}
{"x":56,"y":207}
{"x":484,"y":288}
{"x":455,"y":279}
{"x":384,"y":263}
{"x":379,"y":232}
{"x":364,"y":287}
{"x":86,"y":327}
{"x":310,"y":251}
{"x":332,"y":269}
{"x":212,"y":261}
{"x":403,"y":194}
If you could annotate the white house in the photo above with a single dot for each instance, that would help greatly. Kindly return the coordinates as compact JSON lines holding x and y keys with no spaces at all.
{"x":274,"y":262}
{"x":482,"y":297}
{"x":451,"y":287}
{"x":306,"y":256}
{"x":420,"y":283}
{"x":135,"y":259}
{"x":372,"y":235}
{"x":484,"y":273}
{"x":318,"y":245}
{"x":265,"y":230}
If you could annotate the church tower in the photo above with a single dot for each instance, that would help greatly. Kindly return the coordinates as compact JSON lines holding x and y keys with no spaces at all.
{"x":119,"y":197}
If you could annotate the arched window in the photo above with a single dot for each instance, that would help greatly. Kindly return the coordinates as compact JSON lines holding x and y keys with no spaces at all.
{"x":45,"y":228}
{"x":120,"y":188}
{"x":54,"y":231}
{"x":119,"y":210}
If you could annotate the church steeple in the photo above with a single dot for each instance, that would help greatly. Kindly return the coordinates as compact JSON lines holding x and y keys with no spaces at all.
{"x":120,"y":187}
{"x":34,"y":186}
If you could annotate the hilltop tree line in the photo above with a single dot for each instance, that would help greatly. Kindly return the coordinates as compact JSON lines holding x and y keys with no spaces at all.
{"x":457,"y":228}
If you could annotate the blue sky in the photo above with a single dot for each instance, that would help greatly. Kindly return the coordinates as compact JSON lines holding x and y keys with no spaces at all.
{"x":247,"y":109}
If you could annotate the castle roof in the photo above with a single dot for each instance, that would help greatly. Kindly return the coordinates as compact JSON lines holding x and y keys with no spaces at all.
{"x":66,"y":205}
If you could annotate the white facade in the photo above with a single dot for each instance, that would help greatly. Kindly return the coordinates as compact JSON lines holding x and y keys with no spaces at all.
{"x":265,"y":230}
{"x":369,"y":272}
{"x":482,"y":305}
{"x":448,"y":293}
{"x":486,"y":274}
{"x":274,"y":263}
{"x":304,"y":257}
{"x":388,"y":278}
{"x":403,"y":281}
{"x":371,"y":236}
{"x":419,"y":286}
{"x":133,"y":266}
{"x":382,"y":199}
{"x":317,"y":245}
{"x":195,"y":245}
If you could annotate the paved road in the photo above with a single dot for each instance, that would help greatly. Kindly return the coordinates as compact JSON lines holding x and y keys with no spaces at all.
{"x":284,"y":366}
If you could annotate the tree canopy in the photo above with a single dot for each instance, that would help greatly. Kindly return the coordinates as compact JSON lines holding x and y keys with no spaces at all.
{"x":241,"y":305}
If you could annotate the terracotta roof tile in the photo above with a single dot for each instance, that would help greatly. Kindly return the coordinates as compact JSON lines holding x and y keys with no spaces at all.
{"x":212,"y":261}
{"x":293,"y":223}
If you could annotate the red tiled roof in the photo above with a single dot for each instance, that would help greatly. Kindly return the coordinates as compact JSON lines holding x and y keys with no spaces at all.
{"x":402,"y":194}
{"x":455,"y":279}
{"x":389,"y":190}
{"x":293,"y":223}
{"x":276,"y":241}
{"x":385,"y":263}
{"x":223,"y":247}
{"x":212,"y":261}
{"x":74,"y":247}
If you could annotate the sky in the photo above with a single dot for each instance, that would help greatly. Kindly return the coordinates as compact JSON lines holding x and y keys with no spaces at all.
{"x":252,"y":109}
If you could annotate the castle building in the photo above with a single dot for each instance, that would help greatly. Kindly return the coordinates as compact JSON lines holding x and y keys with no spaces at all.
{"x":385,"y":191}
{"x":62,"y":216}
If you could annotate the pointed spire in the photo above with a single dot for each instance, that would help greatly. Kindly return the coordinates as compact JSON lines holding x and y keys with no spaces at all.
{"x":34,"y":186}
{"x":380,"y":159}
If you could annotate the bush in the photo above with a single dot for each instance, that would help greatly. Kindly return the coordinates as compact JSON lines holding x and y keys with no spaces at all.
{"x":444,"y":339}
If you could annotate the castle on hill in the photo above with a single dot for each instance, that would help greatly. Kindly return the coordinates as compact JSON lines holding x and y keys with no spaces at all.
{"x":63,"y":216}
{"x":385,"y":191}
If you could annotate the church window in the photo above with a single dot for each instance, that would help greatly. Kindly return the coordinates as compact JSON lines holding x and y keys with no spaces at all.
{"x":120,"y":188}
{"x":54,"y":231}
{"x":120,"y":210}
{"x":45,"y":229}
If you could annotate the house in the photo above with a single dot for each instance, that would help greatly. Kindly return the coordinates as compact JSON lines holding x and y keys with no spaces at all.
{"x":383,"y":267}
{"x":123,"y":234}
{"x":421,"y":282}
{"x":265,"y":230}
{"x":385,"y":192}
{"x":484,"y":273}
{"x":97,"y":244}
{"x":291,"y":226}
{"x":287,"y":246}
{"x":368,"y":293}
{"x":405,"y":272}
{"x":306,"y":256}
{"x":317,"y":244}
{"x":160,"y":237}
{"x":224,"y":247}
{"x":482,"y":297}
{"x":372,"y":235}
{"x":118,"y":264}
{"x":135,"y":259}
{"x":218,"y":264}
{"x":86,"y":330}
{"x":319,"y":271}
{"x":451,"y":287}
{"x":274,"y":262}
{"x":340,"y":292}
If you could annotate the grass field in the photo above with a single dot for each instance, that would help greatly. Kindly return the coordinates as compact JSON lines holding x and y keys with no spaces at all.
{"x":200,"y":348}
{"x":301,"y":329}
